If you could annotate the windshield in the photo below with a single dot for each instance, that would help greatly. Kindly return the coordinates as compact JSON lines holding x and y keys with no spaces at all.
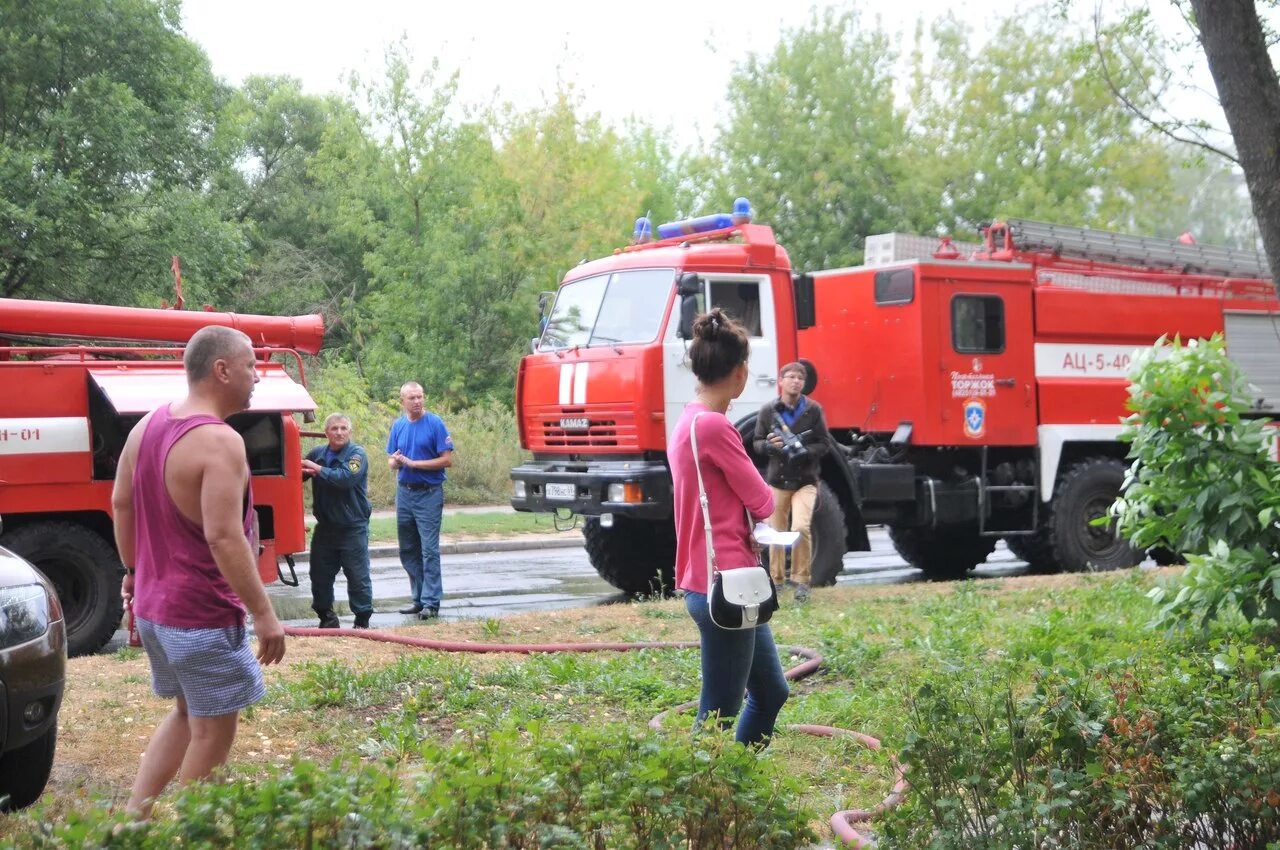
{"x":609,"y":309}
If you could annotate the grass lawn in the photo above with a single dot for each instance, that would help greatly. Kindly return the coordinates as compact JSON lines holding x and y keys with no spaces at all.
{"x":383,"y":529}
{"x":351,"y":699}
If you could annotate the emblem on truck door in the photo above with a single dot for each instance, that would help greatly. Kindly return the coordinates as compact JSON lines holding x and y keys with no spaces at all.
{"x":975,"y":418}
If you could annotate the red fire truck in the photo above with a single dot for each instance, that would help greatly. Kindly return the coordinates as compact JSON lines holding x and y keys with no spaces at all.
{"x":970,"y":399}
{"x":70,"y":391}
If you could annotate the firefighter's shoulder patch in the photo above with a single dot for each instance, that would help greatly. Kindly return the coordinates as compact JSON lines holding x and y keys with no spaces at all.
{"x":353,"y":463}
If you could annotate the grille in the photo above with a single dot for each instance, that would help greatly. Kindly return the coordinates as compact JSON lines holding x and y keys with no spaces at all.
{"x":613,"y":429}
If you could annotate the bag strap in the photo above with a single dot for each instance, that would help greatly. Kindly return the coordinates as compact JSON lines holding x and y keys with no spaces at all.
{"x":702,"y":500}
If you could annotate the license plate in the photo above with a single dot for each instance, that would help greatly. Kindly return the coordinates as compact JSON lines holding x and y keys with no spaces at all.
{"x":575,"y":423}
{"x":562,"y":491}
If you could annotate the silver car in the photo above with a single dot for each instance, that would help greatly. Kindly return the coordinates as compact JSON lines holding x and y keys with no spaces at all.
{"x":33,"y":662}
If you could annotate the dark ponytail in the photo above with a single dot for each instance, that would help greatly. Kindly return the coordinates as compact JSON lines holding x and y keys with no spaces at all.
{"x":719,"y":346}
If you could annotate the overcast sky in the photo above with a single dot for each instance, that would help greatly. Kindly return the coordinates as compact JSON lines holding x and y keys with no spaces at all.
{"x":666,"y":63}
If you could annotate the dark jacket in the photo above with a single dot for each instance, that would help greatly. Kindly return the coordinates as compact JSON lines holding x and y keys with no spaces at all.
{"x":340,"y":492}
{"x":784,"y":472}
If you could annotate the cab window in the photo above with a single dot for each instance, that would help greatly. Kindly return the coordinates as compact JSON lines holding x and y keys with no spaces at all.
{"x":977,"y":324}
{"x":740,"y":300}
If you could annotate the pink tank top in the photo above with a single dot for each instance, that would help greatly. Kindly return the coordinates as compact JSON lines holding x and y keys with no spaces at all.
{"x":177,"y":583}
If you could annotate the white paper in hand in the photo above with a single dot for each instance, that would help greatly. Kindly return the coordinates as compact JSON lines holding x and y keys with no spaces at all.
{"x":767,"y":536}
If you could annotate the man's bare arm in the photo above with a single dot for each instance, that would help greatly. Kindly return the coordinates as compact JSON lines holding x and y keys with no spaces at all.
{"x":225,"y":475}
{"x":122,"y":514}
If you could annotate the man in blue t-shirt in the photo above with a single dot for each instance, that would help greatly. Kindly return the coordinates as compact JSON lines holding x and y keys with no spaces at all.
{"x":420,"y":450}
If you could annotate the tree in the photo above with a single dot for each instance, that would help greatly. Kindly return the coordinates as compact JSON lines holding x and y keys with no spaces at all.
{"x":815,"y":141}
{"x":1236,"y":48}
{"x":108,"y":141}
{"x":1024,"y":126}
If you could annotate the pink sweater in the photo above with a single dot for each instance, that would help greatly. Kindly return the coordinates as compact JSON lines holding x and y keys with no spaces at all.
{"x":731,"y":481}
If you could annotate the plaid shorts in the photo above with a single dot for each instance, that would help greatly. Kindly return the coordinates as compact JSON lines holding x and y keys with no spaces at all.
{"x":213,"y":670}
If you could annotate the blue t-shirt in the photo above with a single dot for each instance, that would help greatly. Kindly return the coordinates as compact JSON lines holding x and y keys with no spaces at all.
{"x":425,"y":439}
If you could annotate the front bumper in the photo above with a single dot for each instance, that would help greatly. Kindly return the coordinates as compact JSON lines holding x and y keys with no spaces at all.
{"x":590,"y":481}
{"x":29,"y":673}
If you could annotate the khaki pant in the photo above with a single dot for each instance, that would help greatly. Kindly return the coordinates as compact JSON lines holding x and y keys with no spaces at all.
{"x":798,"y":504}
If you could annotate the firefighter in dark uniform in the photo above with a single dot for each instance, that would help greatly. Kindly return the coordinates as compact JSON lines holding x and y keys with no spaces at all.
{"x":339,"y":474}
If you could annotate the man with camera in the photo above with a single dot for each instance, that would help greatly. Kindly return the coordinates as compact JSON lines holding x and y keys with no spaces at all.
{"x":792,"y":433}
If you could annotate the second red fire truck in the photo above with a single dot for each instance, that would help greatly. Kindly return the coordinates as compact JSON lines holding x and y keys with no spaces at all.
{"x":973,"y":397}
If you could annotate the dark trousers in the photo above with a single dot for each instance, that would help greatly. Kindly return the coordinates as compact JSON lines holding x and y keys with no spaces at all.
{"x":346,"y":550}
{"x":735,"y":662}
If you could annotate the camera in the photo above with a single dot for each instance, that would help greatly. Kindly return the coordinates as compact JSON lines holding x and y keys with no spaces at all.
{"x":792,"y":443}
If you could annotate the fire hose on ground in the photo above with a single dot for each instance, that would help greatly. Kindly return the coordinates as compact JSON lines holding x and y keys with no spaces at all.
{"x":842,"y":823}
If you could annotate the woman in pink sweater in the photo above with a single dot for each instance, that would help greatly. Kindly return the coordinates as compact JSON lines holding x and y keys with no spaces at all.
{"x":733,"y":661}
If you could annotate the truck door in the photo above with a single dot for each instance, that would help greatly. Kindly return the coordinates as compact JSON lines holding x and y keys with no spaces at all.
{"x":749,"y":299}
{"x":987,"y":380}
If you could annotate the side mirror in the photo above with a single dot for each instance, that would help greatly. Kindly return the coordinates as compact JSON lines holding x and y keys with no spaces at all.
{"x":688,"y":287}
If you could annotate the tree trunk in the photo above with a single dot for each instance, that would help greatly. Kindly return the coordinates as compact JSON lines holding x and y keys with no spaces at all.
{"x":1236,"y":48}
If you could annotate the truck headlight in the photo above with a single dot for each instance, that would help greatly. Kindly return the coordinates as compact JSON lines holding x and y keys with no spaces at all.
{"x":617,"y":492}
{"x":24,"y":614}
{"x":518,"y":490}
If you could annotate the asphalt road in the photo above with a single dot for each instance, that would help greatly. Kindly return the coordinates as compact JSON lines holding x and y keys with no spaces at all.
{"x":494,"y":584}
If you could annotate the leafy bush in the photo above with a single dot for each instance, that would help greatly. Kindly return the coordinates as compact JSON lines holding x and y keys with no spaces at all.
{"x":487,"y":440}
{"x":1133,"y":755}
{"x":579,"y":789}
{"x":1202,"y":482}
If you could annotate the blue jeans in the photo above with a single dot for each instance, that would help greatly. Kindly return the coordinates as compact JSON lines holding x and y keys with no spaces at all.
{"x":345,"y":550}
{"x":418,"y":515}
{"x":734,"y":661}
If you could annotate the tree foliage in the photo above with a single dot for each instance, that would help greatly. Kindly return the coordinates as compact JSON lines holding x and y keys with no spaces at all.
{"x":1024,"y":126}
{"x":1203,"y":483}
{"x":109,"y":135}
{"x":815,"y":139}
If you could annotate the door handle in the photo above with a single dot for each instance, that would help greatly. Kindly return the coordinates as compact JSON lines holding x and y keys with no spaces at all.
{"x":1006,"y":382}
{"x":767,"y":380}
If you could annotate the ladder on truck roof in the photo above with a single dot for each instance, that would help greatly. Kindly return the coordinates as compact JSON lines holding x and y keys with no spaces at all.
{"x":1102,"y":246}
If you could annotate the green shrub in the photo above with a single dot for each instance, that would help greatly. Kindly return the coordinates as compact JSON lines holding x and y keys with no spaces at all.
{"x":1202,"y":483}
{"x":1144,"y":752}
{"x":580,"y":788}
{"x":486,"y":437}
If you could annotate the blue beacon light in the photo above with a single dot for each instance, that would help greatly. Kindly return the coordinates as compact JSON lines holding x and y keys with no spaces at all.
{"x":644,"y":229}
{"x":703,"y":224}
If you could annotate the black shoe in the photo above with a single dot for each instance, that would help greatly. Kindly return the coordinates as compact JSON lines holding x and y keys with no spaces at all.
{"x":362,"y":620}
{"x":415,"y":608}
{"x":329,"y":620}
{"x":429,"y":614}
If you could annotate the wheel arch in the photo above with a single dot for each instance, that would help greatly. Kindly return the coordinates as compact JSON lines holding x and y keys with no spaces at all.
{"x":1062,"y":446}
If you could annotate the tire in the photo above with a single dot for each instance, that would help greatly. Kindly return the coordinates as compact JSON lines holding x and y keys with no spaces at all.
{"x":1085,"y":492}
{"x":944,"y":554}
{"x":25,"y":771}
{"x":86,"y":572}
{"x":827,"y":532}
{"x":636,"y":556}
{"x":1036,"y":551}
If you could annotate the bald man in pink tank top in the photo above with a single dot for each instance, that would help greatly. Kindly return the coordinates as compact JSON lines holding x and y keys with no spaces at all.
{"x":184,"y":527}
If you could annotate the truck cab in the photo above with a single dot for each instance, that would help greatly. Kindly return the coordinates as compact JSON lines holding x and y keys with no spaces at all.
{"x":610,"y":373}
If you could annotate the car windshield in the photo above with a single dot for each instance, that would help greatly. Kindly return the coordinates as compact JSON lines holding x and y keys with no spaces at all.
{"x":609,"y":309}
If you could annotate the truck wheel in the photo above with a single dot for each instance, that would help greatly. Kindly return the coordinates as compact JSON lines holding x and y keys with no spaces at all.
{"x":945,"y":553}
{"x":827,"y":530}
{"x":1084,"y":494}
{"x":1036,"y":550}
{"x":25,"y":771}
{"x":636,"y":556}
{"x":86,"y":572}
